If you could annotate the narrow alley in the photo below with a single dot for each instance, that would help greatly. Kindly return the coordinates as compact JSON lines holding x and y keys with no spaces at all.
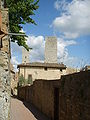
{"x":24,"y":111}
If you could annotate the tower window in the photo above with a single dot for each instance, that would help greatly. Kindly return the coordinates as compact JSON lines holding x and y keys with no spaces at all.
{"x":45,"y":68}
{"x":61,"y":70}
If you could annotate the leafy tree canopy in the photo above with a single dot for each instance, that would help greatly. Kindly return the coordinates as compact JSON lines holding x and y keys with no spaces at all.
{"x":20,"y":12}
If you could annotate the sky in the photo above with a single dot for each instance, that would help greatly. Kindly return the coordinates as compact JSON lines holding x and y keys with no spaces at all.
{"x":69,"y":21}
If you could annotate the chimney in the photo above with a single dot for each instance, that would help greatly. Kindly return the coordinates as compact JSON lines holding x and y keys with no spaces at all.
{"x":51,"y":50}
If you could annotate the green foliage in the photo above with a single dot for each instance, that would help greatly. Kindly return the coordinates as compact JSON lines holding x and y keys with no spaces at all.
{"x":21,"y":81}
{"x":20,"y":12}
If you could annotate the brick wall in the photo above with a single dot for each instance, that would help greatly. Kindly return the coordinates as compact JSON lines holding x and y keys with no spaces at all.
{"x":73,"y":97}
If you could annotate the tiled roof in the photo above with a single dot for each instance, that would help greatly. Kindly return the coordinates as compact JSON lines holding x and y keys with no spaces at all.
{"x":48,"y":65}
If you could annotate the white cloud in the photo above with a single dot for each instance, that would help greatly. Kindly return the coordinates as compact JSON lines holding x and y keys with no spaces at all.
{"x":37,"y":44}
{"x":60,"y":5}
{"x":62,"y":54}
{"x":75,"y":20}
{"x":37,"y":53}
{"x":15,"y":48}
{"x":15,"y":62}
{"x":16,"y":55}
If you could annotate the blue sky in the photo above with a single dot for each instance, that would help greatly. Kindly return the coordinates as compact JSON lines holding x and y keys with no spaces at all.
{"x":69,"y":20}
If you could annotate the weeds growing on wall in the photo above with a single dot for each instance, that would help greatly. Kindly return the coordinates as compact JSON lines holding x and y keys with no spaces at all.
{"x":22,"y":81}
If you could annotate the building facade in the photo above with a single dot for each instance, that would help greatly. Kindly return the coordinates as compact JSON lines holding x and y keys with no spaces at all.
{"x":47,"y":71}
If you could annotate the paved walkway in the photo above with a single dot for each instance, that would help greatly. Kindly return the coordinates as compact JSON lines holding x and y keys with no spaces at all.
{"x":24,"y":111}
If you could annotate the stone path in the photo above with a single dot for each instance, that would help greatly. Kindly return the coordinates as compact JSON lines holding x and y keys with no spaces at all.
{"x":24,"y":111}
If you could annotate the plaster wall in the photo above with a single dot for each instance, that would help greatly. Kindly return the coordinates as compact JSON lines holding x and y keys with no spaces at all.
{"x":41,"y":73}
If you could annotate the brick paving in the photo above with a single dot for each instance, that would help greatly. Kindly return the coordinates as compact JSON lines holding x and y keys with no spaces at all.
{"x":24,"y":111}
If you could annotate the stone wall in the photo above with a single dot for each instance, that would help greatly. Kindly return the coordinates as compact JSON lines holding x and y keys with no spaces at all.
{"x":41,"y":94}
{"x":75,"y":96}
{"x":14,"y":83}
{"x":5,"y":70}
{"x":64,"y":99}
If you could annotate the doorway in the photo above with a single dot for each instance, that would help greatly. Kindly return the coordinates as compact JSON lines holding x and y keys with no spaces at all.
{"x":56,"y":103}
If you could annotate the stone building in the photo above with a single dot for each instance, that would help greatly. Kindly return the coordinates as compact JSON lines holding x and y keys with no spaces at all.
{"x":50,"y":69}
{"x":4,"y":64}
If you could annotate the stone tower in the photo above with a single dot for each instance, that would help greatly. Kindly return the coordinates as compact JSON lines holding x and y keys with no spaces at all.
{"x":25,"y":56}
{"x":51,"y":50}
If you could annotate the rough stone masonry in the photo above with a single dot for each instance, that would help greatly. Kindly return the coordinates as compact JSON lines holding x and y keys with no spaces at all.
{"x":51,"y":50}
{"x":4,"y":65}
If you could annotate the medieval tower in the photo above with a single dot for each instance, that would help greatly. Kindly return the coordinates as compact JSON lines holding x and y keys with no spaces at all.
{"x":25,"y":56}
{"x":51,"y":50}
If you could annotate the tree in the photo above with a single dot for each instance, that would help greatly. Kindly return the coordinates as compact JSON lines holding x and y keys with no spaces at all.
{"x":20,"y":12}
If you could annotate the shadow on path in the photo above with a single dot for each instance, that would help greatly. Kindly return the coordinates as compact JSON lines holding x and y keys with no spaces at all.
{"x":37,"y":113}
{"x":23,"y":113}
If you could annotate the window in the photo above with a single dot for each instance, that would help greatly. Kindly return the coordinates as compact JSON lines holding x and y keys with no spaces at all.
{"x":61,"y":70}
{"x":45,"y":68}
{"x":30,"y":79}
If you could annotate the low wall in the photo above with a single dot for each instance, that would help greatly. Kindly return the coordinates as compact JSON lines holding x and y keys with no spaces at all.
{"x":75,"y":96}
{"x":65,"y":99}
{"x":41,"y":94}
